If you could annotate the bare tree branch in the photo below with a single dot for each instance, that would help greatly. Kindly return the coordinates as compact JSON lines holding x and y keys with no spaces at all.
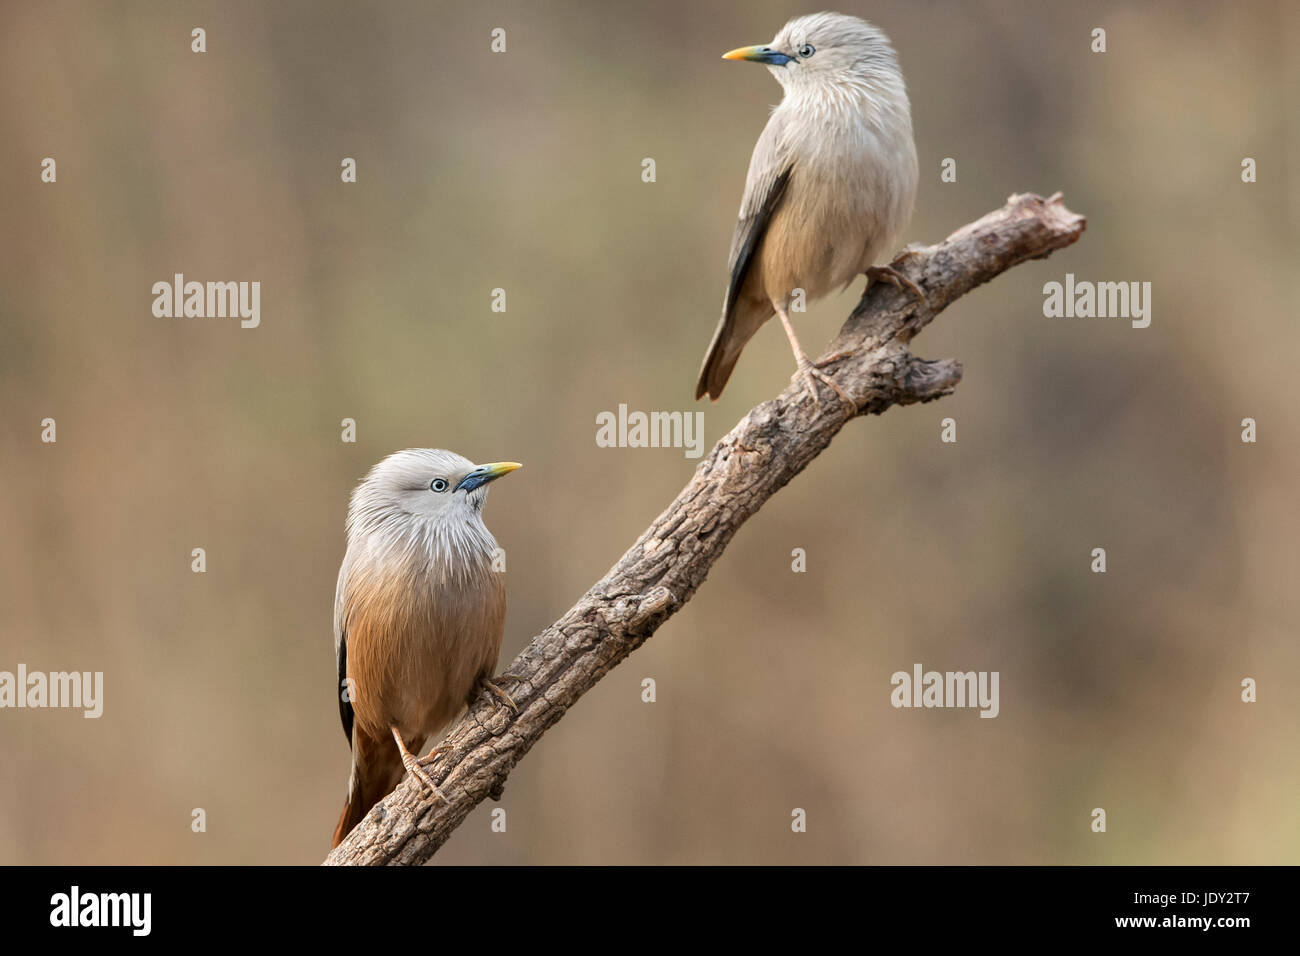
{"x":660,"y":572}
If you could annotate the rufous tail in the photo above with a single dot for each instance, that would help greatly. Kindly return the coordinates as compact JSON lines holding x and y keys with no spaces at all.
{"x":376,"y":770}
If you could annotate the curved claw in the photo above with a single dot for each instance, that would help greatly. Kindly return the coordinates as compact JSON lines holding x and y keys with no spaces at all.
{"x":502,"y":695}
{"x":899,"y":281}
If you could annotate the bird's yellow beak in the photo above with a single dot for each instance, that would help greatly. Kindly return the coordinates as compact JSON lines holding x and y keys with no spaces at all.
{"x":498,"y":468}
{"x":758,"y":54}
{"x":484,"y":473}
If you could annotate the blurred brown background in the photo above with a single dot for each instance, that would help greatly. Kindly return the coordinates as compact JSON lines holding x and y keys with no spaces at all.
{"x":522,"y":171}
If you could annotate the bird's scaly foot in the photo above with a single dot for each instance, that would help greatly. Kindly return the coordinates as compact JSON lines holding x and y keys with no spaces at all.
{"x":432,"y":757}
{"x":499,"y":694}
{"x":415,"y":767}
{"x":834,"y":357}
{"x":899,"y":281}
{"x":810,"y":374}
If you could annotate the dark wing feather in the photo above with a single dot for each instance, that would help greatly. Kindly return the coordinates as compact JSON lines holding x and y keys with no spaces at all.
{"x":341,"y":647}
{"x":769,"y":174}
{"x":750,"y":230}
{"x":345,"y":702}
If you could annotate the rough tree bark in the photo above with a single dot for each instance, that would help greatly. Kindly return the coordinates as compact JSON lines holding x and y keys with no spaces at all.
{"x":660,"y":572}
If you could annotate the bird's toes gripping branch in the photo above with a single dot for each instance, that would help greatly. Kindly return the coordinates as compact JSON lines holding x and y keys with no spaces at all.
{"x":810,"y":373}
{"x":899,"y":281}
{"x":498,"y":694}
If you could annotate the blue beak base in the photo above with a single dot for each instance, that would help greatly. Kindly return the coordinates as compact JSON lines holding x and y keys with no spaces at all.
{"x":758,"y":54}
{"x":483,"y":474}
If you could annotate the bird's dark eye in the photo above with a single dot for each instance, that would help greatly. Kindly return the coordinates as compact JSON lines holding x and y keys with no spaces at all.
{"x":438,"y":484}
{"x":806,"y":50}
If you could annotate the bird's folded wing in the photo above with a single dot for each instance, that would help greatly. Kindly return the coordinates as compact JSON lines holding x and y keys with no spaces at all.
{"x":769,"y":172}
{"x":341,"y":652}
